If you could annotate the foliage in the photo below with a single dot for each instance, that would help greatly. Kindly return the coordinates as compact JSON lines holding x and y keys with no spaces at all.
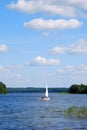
{"x":35,"y":90}
{"x":3,"y":89}
{"x":78,"y":89}
{"x":78,"y":112}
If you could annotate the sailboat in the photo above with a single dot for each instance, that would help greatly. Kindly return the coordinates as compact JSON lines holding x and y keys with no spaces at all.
{"x":46,"y":97}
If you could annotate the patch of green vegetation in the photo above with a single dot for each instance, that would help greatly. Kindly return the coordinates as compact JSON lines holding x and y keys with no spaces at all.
{"x":67,"y":129}
{"x":78,"y":89}
{"x":78,"y":112}
{"x":3,"y":89}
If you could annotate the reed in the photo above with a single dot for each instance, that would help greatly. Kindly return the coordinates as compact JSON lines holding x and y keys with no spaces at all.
{"x":78,"y":112}
{"x":67,"y":129}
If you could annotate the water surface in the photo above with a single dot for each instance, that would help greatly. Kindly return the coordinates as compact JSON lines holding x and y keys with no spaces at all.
{"x":24,"y":111}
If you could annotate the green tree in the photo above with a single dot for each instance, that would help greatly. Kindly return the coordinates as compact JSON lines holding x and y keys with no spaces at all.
{"x":79,"y":89}
{"x":3,"y":89}
{"x":74,"y":88}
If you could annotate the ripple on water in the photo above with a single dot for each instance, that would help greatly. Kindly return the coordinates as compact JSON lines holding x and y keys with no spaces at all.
{"x":26,"y":112}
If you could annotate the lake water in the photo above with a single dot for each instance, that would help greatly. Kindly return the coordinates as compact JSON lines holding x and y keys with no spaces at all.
{"x":24,"y":111}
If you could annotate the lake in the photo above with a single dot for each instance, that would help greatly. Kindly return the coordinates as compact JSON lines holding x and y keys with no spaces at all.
{"x":24,"y":111}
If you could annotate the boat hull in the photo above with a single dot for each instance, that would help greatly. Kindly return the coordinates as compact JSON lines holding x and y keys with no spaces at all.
{"x":45,"y":98}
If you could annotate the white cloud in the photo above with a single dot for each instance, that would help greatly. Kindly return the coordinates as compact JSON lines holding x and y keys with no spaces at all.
{"x":52,"y":24}
{"x":34,"y":6}
{"x":70,"y":75}
{"x":73,"y":70}
{"x":82,"y":69}
{"x":3,"y":48}
{"x":69,"y":69}
{"x":79,"y":3}
{"x":57,"y":50}
{"x":80,"y":47}
{"x":43,"y":61}
{"x":69,"y":8}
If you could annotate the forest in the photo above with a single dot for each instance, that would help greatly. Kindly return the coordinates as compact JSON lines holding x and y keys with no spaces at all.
{"x":78,"y":89}
{"x":35,"y":90}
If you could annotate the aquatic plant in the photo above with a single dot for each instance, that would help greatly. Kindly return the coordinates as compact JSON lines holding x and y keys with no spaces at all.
{"x":77,"y":111}
{"x":67,"y":129}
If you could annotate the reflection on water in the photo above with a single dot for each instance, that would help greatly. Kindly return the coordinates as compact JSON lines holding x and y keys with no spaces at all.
{"x":27,"y":112}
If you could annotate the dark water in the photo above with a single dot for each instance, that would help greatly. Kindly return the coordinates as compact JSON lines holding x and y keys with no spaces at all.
{"x":25,"y":111}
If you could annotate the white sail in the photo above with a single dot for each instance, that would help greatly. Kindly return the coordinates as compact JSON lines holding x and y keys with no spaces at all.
{"x":46,"y":93}
{"x":45,"y":98}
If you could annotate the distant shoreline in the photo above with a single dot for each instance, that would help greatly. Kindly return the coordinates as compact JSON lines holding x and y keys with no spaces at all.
{"x":35,"y":90}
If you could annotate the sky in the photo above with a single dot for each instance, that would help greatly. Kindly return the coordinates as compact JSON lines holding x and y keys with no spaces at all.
{"x":43,"y":41}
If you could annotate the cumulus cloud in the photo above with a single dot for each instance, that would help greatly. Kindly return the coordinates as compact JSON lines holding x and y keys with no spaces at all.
{"x":73,"y":70}
{"x":34,"y":6}
{"x":82,"y":69}
{"x":43,"y":61}
{"x":80,"y":47}
{"x":69,"y":69}
{"x":57,"y":50}
{"x":34,"y":62}
{"x":52,"y":24}
{"x":69,"y":8}
{"x":79,"y":3}
{"x":3,"y":48}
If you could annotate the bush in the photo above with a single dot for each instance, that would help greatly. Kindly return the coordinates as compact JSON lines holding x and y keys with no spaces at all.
{"x":3,"y":89}
{"x":79,"y":89}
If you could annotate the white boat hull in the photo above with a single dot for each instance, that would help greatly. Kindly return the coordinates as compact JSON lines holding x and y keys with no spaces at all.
{"x":45,"y":98}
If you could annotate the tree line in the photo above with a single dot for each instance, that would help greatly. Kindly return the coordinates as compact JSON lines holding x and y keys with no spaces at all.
{"x":75,"y":89}
{"x":4,"y":89}
{"x":35,"y":90}
{"x":78,"y":89}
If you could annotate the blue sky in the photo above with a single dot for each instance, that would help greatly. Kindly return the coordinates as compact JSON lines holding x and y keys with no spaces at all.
{"x":43,"y":41}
